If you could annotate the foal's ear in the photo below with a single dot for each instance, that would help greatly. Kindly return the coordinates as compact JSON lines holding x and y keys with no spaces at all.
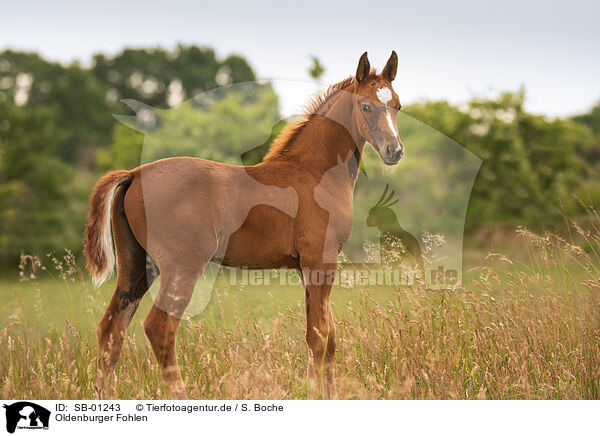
{"x":390,"y":69}
{"x":363,"y":68}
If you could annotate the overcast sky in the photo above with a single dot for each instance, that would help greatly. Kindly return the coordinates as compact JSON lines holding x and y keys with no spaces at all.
{"x":448,"y":50}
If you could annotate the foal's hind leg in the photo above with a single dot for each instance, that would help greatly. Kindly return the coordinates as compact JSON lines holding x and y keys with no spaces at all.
{"x":132,"y":283}
{"x":162,"y":323}
{"x":113,"y":327}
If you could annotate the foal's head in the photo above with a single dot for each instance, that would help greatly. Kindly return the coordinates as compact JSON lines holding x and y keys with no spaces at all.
{"x":375,"y":106}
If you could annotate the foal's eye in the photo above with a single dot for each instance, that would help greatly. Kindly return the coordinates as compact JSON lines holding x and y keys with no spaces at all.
{"x":365,"y":108}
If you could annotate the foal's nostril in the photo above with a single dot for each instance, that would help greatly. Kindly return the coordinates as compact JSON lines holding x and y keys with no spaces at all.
{"x":394,"y":152}
{"x":393,"y":149}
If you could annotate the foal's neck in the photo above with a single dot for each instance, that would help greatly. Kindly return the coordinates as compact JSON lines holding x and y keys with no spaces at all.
{"x":330,"y":139}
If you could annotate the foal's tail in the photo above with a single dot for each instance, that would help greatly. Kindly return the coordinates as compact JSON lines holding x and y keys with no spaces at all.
{"x":98,"y":245}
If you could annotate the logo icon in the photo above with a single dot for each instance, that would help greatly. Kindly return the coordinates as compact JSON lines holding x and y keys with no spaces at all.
{"x":26,"y":415}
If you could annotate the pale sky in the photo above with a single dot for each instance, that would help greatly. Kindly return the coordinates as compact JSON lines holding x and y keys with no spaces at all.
{"x":451,"y":50}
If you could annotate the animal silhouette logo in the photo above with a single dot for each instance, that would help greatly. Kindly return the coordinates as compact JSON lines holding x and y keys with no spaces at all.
{"x":385,"y":219}
{"x":26,"y":415}
{"x":422,"y":211}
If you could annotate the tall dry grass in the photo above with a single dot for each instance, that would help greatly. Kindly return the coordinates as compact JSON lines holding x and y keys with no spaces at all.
{"x":517,"y":330}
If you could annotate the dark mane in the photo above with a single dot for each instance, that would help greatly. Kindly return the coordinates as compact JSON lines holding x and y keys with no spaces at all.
{"x":282,"y":144}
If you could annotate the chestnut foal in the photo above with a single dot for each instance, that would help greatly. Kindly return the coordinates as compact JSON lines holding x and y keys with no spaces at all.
{"x":294,"y":210}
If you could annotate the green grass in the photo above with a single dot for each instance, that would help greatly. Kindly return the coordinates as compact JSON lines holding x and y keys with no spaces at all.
{"x":50,"y":304}
{"x":521,"y":327}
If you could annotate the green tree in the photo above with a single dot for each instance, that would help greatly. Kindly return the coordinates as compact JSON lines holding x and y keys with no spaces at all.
{"x":233,"y":123}
{"x":35,"y":186}
{"x":159,"y":77}
{"x":73,"y":97}
{"x":591,"y":150}
{"x":82,"y":100}
{"x":530,"y":164}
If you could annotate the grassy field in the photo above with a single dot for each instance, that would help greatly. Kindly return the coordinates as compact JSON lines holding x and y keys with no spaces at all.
{"x":516,"y":329}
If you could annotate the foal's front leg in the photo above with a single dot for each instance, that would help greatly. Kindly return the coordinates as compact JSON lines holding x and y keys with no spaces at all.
{"x":320,"y":329}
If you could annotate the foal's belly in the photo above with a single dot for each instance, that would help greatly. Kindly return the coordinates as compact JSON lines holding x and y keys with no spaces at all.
{"x":265,"y":240}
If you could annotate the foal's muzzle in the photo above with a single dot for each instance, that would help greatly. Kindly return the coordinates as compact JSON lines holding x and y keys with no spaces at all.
{"x":392,"y":152}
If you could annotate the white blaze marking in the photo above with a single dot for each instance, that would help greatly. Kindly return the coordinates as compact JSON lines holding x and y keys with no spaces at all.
{"x":391,"y":123}
{"x":385,"y":95}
